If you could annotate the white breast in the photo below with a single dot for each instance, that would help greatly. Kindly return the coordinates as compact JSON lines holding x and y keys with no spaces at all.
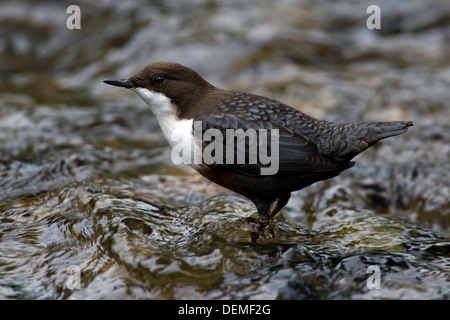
{"x":179,"y":133}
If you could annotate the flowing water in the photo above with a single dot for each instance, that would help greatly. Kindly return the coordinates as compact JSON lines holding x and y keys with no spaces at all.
{"x":91,"y":206}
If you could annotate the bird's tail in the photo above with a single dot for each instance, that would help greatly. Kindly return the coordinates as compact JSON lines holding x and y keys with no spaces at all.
{"x":384,"y":130}
{"x":361,"y":136}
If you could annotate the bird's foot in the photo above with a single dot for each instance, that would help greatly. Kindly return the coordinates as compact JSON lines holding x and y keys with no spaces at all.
{"x":257,"y":229}
{"x":254,"y":235}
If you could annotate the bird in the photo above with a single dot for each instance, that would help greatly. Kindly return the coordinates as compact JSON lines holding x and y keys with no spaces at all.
{"x":193,"y":112}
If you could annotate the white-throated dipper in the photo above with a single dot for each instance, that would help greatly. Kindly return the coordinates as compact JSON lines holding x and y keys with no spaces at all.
{"x":307,"y":150}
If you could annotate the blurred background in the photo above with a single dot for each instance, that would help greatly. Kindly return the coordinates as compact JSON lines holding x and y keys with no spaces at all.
{"x":86,"y":178}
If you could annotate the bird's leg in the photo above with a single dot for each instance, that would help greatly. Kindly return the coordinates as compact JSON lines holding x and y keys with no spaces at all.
{"x":263,"y":219}
{"x":265,"y":214}
{"x":282,"y":201}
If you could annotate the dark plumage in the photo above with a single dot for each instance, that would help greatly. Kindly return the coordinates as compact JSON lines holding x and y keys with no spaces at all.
{"x":310,"y":150}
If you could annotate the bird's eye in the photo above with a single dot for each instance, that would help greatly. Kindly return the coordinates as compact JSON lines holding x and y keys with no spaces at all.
{"x":158,"y":80}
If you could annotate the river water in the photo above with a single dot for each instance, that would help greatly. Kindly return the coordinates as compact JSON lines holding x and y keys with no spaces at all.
{"x":91,"y":206}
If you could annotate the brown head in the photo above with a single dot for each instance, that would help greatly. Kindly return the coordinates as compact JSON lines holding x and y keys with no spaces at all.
{"x":181,"y":85}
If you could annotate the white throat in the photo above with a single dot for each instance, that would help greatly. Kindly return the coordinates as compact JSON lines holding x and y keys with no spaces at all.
{"x":160,"y":104}
{"x":179,"y":133}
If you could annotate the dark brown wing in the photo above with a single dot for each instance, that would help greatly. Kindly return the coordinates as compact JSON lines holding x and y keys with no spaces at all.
{"x":238,"y":144}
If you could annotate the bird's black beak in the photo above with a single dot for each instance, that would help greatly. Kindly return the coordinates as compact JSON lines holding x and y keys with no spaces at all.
{"x":120,"y":83}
